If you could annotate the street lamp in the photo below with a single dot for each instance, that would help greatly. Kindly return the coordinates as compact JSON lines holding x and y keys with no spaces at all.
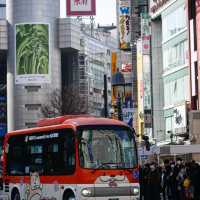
{"x":118,"y":88}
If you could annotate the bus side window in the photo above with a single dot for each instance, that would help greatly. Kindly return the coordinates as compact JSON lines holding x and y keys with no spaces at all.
{"x":16,"y":161}
{"x":69,"y":156}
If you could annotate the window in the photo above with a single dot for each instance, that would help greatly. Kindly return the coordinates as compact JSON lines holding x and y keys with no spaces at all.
{"x":176,"y":55}
{"x":2,"y":9}
{"x":174,"y":22}
{"x":49,"y":153}
{"x":30,"y":124}
{"x":176,"y":91}
{"x":32,"y":107}
{"x":107,"y":148}
{"x":32,"y":88}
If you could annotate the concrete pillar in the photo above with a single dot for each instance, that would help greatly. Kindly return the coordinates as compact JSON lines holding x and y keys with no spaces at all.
{"x":31,"y":12}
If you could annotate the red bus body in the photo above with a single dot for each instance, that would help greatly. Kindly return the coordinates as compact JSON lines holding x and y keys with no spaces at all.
{"x":110,"y":182}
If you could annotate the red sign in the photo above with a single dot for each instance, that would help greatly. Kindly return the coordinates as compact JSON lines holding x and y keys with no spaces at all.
{"x":81,"y":7}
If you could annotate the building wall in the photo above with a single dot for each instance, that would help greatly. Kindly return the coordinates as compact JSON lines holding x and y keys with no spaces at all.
{"x":175,"y":63}
{"x":157,"y":81}
{"x":173,"y":66}
{"x":198,"y":45}
{"x":27,"y":98}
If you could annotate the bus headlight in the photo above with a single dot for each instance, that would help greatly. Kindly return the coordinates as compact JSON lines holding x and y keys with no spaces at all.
{"x":135,"y":191}
{"x":86,"y":192}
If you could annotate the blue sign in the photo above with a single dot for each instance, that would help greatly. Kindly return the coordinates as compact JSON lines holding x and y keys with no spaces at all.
{"x":3,"y":129}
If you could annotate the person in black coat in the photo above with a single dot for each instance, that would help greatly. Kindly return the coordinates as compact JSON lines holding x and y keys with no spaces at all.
{"x":153,"y":183}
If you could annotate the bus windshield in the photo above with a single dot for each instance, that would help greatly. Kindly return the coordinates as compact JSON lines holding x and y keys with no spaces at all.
{"x":107,"y":148}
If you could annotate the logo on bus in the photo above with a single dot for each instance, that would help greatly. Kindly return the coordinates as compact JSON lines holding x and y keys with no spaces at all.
{"x":112,"y":183}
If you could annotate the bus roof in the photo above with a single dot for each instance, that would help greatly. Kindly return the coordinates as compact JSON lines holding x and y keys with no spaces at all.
{"x":78,"y":120}
{"x":69,"y":121}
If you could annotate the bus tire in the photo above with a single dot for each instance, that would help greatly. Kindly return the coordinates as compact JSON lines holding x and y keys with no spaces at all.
{"x":15,"y":195}
{"x":69,"y":195}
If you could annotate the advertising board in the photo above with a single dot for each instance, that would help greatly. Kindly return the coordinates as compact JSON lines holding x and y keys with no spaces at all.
{"x":124,"y":24}
{"x":32,"y":53}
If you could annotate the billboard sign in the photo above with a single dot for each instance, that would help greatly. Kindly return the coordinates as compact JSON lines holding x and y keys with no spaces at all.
{"x":145,"y":32}
{"x":81,"y":7}
{"x":32,"y":53}
{"x":180,"y":119}
{"x":124,"y":24}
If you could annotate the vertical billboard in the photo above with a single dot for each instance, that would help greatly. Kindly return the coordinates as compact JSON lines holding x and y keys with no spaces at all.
{"x":180,"y":119}
{"x":127,"y":108}
{"x":145,"y":32}
{"x":124,"y":24}
{"x":81,"y":7}
{"x":32,"y":53}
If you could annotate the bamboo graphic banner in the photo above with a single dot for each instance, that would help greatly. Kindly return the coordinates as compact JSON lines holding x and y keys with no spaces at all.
{"x":32,"y":53}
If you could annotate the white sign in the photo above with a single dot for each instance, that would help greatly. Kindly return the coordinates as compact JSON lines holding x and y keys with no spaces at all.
{"x":180,"y":119}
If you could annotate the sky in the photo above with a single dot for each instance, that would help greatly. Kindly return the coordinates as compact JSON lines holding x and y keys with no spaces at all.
{"x":105,"y":11}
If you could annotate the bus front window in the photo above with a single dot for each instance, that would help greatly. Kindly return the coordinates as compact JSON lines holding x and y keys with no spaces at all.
{"x":107,"y":148}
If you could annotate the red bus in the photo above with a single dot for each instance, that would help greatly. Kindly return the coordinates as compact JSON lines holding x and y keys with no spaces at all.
{"x":71,"y":157}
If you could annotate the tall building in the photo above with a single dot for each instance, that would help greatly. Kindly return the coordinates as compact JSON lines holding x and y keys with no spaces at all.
{"x":2,"y":9}
{"x":3,"y":47}
{"x":47,"y":53}
{"x":194,"y":57}
{"x":95,"y":62}
{"x":170,"y":69}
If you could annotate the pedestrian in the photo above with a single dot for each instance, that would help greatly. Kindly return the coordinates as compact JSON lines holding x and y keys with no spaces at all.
{"x":153,"y":183}
{"x":163,"y":181}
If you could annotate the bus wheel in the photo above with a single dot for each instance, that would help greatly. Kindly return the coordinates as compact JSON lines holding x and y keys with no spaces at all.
{"x":69,"y":196}
{"x":15,"y":196}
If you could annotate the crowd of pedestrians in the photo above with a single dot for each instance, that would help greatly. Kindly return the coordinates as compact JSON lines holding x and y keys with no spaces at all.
{"x":170,"y":181}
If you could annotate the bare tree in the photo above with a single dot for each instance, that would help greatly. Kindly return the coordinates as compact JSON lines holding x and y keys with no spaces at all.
{"x":65,"y":102}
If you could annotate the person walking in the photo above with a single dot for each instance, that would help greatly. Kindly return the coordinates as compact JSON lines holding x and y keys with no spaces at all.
{"x":153,"y":183}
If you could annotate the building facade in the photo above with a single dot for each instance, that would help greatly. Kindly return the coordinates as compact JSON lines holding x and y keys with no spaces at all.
{"x":58,"y":52}
{"x":170,"y":67}
{"x":3,"y":65}
{"x":2,"y":9}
